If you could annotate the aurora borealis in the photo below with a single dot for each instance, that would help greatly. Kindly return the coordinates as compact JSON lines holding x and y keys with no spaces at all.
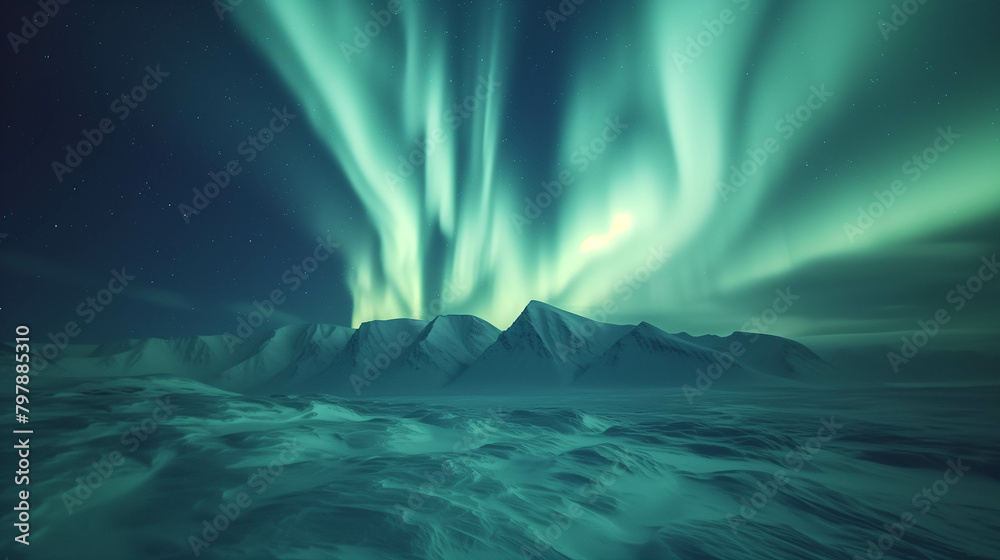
{"x":471,"y":157}
{"x":542,"y":279}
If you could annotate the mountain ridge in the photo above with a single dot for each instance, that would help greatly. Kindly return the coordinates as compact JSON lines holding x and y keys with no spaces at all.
{"x":545,"y":348}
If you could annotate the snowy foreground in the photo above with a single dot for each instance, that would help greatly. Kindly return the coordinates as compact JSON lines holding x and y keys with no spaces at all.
{"x":143,"y":467}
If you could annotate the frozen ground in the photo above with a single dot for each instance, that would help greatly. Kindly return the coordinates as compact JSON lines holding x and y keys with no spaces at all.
{"x":593,"y":476}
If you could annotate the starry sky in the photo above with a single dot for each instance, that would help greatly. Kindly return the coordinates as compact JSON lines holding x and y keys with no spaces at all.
{"x":830,"y":167}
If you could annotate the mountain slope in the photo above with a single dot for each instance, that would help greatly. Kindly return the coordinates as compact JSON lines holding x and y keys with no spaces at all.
{"x":449,"y":343}
{"x":545,"y":347}
{"x":375,"y":348}
{"x":647,"y":356}
{"x":767,"y":354}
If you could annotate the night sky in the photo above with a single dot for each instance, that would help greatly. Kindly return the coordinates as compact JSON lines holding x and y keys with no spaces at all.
{"x":637,"y":116}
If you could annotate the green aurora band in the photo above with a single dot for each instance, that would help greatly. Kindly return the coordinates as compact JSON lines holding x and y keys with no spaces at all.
{"x":692,"y":114}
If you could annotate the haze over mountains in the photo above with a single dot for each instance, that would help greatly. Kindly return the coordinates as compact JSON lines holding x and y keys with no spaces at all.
{"x":544,"y":349}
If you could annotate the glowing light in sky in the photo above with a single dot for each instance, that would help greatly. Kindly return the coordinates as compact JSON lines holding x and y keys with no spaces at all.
{"x":619,"y":225}
{"x":691,"y":116}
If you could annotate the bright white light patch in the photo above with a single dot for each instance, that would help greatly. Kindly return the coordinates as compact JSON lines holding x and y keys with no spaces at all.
{"x":619,"y":225}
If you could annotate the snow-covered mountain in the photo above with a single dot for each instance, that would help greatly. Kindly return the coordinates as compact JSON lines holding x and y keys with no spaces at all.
{"x":765,"y":353}
{"x":302,"y":357}
{"x":375,"y":348}
{"x":647,"y":356}
{"x":650,"y":357}
{"x":449,"y":344}
{"x":545,"y":349}
{"x":292,"y":353}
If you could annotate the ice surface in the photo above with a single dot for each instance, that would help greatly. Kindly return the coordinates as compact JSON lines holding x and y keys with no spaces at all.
{"x":557,"y":438}
{"x":642,"y":475}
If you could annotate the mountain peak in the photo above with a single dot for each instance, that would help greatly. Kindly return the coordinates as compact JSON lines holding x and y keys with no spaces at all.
{"x":536,"y":307}
{"x":544,"y":312}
